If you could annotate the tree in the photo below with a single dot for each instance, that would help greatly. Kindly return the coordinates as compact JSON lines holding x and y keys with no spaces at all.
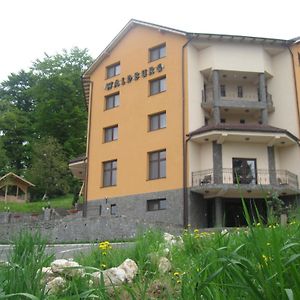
{"x":60,"y":110}
{"x":49,"y":170}
{"x":4,"y":162}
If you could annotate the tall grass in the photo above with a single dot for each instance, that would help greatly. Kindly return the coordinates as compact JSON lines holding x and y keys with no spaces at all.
{"x":257,"y":262}
{"x":22,"y":272}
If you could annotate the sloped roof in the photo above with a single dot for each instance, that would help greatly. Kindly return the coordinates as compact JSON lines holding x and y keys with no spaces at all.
{"x":11,"y":174}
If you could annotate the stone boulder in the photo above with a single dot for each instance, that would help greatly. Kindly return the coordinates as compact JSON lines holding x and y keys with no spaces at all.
{"x":66,"y":267}
{"x":55,"y":285}
{"x":164,"y":265}
{"x":117,"y":275}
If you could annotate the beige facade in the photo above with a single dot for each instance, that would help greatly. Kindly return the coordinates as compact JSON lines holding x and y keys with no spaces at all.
{"x":229,"y":112}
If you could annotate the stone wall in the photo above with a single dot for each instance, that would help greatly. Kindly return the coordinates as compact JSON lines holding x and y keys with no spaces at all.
{"x":80,"y":229}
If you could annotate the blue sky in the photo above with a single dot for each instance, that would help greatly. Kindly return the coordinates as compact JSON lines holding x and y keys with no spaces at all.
{"x":32,"y":27}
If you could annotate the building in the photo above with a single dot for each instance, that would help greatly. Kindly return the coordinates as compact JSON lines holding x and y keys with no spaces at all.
{"x":182,"y":124}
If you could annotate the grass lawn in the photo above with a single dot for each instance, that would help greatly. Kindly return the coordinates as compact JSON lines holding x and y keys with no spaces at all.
{"x":36,"y":207}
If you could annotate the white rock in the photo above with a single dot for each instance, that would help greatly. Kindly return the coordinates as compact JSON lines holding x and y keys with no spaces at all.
{"x":130,"y":268}
{"x":66,"y":267}
{"x":172,"y":240}
{"x":169,"y":239}
{"x":55,"y":285}
{"x":164,"y":265}
{"x":48,"y":275}
{"x":116,"y":276}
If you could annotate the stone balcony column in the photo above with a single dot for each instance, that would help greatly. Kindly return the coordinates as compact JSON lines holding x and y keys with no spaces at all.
{"x":272,"y":166}
{"x":263,"y":97}
{"x":216,"y":97}
{"x":218,"y":213}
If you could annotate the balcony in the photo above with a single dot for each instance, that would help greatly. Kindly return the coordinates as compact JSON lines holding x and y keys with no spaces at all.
{"x":232,"y":101}
{"x":225,"y":183}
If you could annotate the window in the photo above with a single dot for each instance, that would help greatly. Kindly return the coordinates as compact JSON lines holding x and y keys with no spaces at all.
{"x":157,"y":86}
{"x":223,"y":120}
{"x":157,"y":52}
{"x":157,"y":121}
{"x":240,"y":91}
{"x":223,"y":90}
{"x":110,"y":134}
{"x":156,"y":204}
{"x":110,"y":173}
{"x":113,"y":70}
{"x":299,"y":58}
{"x":157,"y":164}
{"x":244,"y":170}
{"x":112,"y":101}
{"x":242,"y":121}
{"x":100,"y":210}
{"x":113,"y":209}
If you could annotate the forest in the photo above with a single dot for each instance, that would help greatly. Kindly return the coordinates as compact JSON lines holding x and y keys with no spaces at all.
{"x":43,"y":119}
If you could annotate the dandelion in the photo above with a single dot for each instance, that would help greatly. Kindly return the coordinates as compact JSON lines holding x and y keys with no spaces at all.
{"x":103,"y":266}
{"x":178,"y":281}
{"x":293,"y":222}
{"x":196,"y":230}
{"x":197,"y":236}
{"x":266,"y":259}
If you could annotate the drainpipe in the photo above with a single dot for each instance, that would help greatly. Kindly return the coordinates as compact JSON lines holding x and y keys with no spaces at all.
{"x":84,"y":212}
{"x":295,"y":84}
{"x":184,"y":141}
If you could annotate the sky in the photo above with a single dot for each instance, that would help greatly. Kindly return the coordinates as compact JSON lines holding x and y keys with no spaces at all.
{"x":30,"y":28}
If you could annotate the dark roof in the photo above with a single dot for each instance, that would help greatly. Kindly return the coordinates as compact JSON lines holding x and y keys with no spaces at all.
{"x":78,"y":158}
{"x":242,"y":127}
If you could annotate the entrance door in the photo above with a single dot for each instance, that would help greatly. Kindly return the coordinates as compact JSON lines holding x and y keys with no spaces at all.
{"x":244,"y":170}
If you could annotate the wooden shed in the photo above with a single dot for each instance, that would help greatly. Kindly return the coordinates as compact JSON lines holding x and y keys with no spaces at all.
{"x":14,"y":188}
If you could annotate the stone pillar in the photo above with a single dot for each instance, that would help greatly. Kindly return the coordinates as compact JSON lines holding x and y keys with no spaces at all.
{"x":272,"y":166}
{"x":218,"y":212}
{"x":7,"y":217}
{"x":263,"y":98}
{"x":47,"y":214}
{"x":217,"y":163}
{"x":216,"y":97}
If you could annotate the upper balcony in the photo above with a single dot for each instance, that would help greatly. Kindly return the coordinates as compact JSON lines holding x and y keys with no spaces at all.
{"x":231,"y":99}
{"x":254,"y":184}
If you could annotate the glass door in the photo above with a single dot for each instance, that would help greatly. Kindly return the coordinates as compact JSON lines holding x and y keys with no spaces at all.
{"x":244,"y":170}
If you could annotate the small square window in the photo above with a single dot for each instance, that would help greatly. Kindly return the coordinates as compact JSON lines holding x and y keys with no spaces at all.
{"x":223,"y":90}
{"x":157,"y":52}
{"x":113,"y":70}
{"x":109,"y":173}
{"x":100,"y":210}
{"x":112,"y":101}
{"x":113,"y":209}
{"x":110,"y":134}
{"x":156,"y":204}
{"x":240,"y":91}
{"x":157,"y":121}
{"x":223,"y":120}
{"x":242,"y":121}
{"x":157,"y":86}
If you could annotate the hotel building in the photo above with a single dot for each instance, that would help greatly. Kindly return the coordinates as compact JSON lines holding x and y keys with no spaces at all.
{"x":182,"y":125}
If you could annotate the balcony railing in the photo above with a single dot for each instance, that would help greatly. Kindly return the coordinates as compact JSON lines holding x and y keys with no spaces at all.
{"x":232,"y":100}
{"x":262,"y":177}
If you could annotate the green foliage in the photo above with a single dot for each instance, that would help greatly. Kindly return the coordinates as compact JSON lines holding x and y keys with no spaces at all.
{"x":23,"y":274}
{"x":260,"y":262}
{"x":37,"y":206}
{"x":45,"y":102}
{"x":49,"y":170}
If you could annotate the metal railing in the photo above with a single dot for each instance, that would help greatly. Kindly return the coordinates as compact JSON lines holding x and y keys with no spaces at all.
{"x":261,"y":177}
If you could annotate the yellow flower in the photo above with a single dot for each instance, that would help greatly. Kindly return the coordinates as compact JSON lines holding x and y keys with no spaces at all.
{"x":268,"y":244}
{"x":189,"y":225}
{"x":104,"y":253}
{"x":197,"y":236}
{"x":103,"y":266}
{"x":196,"y":230}
{"x":178,"y":281}
{"x":176,"y":274}
{"x":198,"y":269}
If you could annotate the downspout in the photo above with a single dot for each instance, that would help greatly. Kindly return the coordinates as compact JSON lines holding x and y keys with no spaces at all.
{"x":84,"y":212}
{"x":184,"y":141}
{"x":295,"y":84}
